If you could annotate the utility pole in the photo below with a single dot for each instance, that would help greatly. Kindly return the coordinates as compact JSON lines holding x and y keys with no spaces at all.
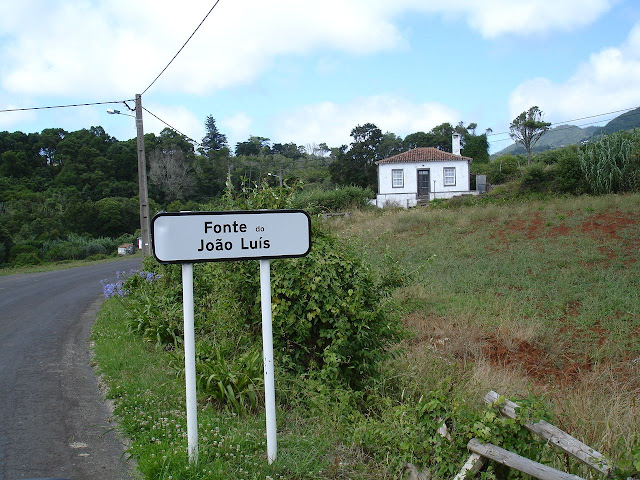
{"x":142,"y":182}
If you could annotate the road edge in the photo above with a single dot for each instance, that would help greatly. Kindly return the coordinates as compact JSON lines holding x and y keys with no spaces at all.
{"x":90,"y":314}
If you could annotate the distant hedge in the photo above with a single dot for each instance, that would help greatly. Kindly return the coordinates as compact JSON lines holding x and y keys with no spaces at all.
{"x":340,"y":199}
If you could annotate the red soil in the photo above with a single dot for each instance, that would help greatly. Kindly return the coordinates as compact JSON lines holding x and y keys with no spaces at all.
{"x":537,"y":363}
{"x":615,"y":234}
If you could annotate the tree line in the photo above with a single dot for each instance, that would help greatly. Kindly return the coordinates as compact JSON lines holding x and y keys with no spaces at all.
{"x":58,"y":186}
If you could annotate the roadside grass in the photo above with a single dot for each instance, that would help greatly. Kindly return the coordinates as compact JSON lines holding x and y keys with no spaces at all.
{"x":150,"y":405}
{"x":50,"y":266}
{"x":539,"y":297}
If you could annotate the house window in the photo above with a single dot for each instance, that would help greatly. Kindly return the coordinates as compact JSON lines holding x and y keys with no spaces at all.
{"x":449,"y":176}
{"x":397,"y":178}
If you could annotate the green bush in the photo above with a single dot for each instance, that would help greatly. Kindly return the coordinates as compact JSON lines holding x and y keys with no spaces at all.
{"x":329,"y":316}
{"x":568,"y":174}
{"x":182,"y":205}
{"x":504,"y":169}
{"x":57,"y":251}
{"x":25,"y":251}
{"x":26,"y":258}
{"x":536,"y":178}
{"x":328,"y":313}
{"x":94,"y":248}
{"x":340,"y":199}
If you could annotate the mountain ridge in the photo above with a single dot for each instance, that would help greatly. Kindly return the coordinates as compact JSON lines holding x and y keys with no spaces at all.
{"x":565,"y":134}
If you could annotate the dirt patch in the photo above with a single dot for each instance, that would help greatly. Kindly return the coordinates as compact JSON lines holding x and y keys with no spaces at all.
{"x":610,"y":230}
{"x":601,"y":226}
{"x":537,"y":364}
{"x":535,"y":228}
{"x":460,"y":341}
{"x":559,"y":231}
{"x":608,"y":225}
{"x":573,"y":309}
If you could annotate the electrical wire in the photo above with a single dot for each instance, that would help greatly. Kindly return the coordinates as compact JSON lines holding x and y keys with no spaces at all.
{"x":172,"y":128}
{"x":568,"y":127}
{"x":63,"y":106}
{"x":575,"y":120}
{"x":184,"y":45}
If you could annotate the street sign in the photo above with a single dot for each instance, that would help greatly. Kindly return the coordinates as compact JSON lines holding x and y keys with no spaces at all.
{"x":189,"y":237}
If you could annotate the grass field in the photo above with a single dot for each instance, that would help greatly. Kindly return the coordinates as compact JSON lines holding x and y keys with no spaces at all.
{"x":541,"y":296}
{"x":538,"y":297}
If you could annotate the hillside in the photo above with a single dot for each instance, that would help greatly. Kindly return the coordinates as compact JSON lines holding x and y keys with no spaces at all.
{"x":626,"y":121}
{"x":556,"y":137}
{"x":563,"y":135}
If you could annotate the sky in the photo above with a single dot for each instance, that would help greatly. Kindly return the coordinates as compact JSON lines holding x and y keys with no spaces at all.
{"x":309,"y":72}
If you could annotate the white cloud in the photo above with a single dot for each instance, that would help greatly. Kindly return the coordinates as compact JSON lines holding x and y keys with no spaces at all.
{"x":178,"y":117}
{"x":332,"y":123}
{"x":609,"y":80}
{"x":493,"y":18}
{"x":237,"y":128}
{"x":116,"y":47}
{"x":9,"y":120}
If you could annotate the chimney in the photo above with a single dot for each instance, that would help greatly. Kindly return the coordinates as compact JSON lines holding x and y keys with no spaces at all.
{"x":455,"y":144}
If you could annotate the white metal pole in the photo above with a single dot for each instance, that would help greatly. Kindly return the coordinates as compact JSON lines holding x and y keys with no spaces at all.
{"x":267,"y":352}
{"x":190,"y":361}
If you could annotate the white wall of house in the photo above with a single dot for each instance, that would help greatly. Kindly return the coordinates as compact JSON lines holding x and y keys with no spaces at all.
{"x":406,"y":195}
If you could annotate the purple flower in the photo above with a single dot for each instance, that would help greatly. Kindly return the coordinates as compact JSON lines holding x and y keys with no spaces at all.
{"x":149,"y":277}
{"x":113,"y":289}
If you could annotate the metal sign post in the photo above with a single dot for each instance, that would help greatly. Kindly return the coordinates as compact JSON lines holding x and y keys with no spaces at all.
{"x":190,"y":362}
{"x":189,"y":237}
{"x":267,"y":353}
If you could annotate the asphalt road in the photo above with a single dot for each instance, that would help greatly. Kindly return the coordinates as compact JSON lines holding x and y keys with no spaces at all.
{"x":53,"y":422}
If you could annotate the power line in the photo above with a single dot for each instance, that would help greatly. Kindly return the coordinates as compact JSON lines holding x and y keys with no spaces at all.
{"x":184,"y":45}
{"x":574,"y":120}
{"x":172,"y":128}
{"x":568,"y":127}
{"x":63,"y":106}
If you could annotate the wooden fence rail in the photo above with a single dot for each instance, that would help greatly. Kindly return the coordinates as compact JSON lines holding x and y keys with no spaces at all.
{"x":557,"y":437}
{"x":482,"y":452}
{"x":512,"y":460}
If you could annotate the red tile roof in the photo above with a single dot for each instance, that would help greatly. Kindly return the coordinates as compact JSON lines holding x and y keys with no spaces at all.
{"x":423,"y":154}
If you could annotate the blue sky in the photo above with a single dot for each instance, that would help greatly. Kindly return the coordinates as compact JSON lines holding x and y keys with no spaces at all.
{"x":308,"y":72}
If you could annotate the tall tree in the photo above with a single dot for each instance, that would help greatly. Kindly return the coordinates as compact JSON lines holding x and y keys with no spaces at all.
{"x":417,"y":140}
{"x":442,"y":136}
{"x":476,"y":147}
{"x":390,"y":144}
{"x":214,"y":140}
{"x":527,"y":128}
{"x":254,"y":146}
{"x":289,"y":150}
{"x":170,"y":172}
{"x":356,"y":165}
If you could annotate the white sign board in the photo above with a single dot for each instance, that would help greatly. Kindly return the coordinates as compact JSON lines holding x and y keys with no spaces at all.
{"x":189,"y":237}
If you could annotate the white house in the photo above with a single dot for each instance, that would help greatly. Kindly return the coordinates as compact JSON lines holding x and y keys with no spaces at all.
{"x":423,"y":174}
